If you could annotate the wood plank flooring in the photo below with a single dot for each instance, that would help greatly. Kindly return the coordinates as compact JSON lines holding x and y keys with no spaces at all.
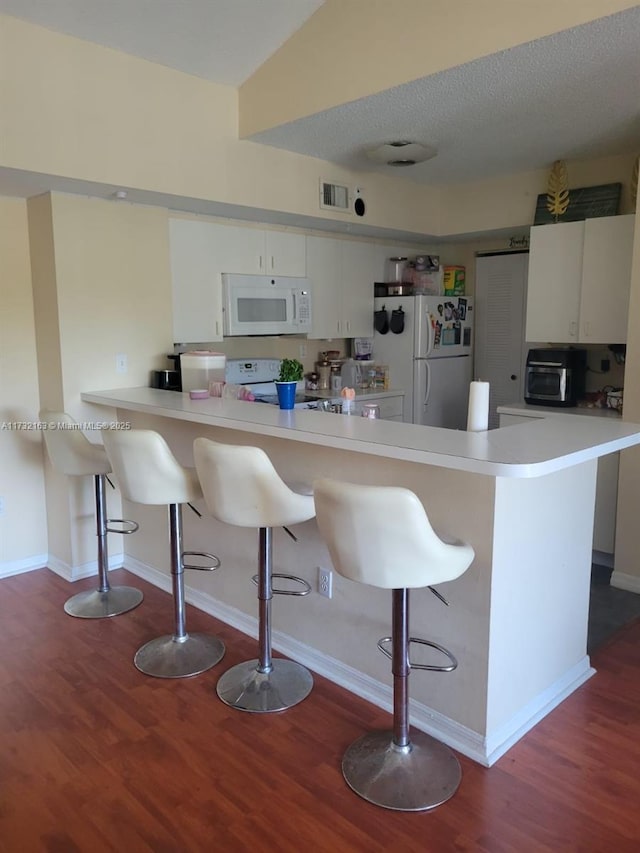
{"x":96,"y":757}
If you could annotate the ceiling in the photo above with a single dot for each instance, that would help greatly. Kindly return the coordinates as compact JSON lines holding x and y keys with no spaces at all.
{"x":220,"y":40}
{"x":572,"y":95}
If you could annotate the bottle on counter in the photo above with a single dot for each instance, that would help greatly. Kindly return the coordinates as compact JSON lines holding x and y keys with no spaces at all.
{"x":350,"y":373}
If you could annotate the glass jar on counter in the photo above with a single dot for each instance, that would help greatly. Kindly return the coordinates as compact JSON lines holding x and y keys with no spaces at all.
{"x":370,"y":410}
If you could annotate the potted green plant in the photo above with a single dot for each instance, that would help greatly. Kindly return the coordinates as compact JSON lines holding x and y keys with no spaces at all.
{"x":291,"y":372}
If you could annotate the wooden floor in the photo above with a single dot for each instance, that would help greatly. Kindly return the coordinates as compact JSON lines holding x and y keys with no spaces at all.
{"x":96,"y":757}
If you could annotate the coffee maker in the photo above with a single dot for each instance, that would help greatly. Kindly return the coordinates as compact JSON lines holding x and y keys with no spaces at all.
{"x":169,"y":380}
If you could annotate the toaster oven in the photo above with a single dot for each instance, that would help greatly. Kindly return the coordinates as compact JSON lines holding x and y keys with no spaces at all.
{"x":555,"y":377}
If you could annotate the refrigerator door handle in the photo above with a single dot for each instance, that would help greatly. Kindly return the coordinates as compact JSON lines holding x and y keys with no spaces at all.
{"x":428,"y":387}
{"x":430,"y":332}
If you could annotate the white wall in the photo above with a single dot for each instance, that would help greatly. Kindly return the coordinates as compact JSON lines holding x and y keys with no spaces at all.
{"x":23,"y":534}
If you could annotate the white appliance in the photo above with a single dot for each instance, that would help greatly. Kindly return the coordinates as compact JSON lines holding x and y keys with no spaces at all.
{"x":431,"y":359}
{"x":260,"y":375}
{"x":265,"y":305}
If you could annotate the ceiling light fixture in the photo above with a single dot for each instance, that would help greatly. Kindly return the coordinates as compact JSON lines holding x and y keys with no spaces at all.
{"x":402,"y":152}
{"x":120,"y":194}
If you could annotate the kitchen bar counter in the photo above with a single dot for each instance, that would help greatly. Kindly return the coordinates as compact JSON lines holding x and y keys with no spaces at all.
{"x":531,"y":450}
{"x":526,"y":410}
{"x":522,"y":496}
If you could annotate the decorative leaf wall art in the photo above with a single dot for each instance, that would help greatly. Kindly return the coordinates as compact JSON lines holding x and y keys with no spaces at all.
{"x":558,"y":189}
{"x":634,"y":181}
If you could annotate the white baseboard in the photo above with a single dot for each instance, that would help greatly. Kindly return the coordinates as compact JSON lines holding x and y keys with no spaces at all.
{"x":510,"y":733}
{"x":483,"y":750}
{"x":86,"y":570}
{"x":17,"y":567}
{"x":623,"y":581}
{"x":602,"y":558}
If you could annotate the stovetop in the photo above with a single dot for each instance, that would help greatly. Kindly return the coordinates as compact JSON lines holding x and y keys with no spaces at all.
{"x":260,"y":375}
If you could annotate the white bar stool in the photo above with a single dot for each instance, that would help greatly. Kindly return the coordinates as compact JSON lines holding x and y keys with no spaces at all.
{"x":71,"y":453}
{"x":148,"y":473}
{"x":241,"y":487}
{"x":381,"y":536}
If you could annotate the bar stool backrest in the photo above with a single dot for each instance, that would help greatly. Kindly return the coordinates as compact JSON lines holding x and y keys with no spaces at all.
{"x":380,"y":535}
{"x":146,"y":469}
{"x":70,"y":451}
{"x":241,"y":487}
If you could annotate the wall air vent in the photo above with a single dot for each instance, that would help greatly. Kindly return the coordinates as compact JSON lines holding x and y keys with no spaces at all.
{"x":334,"y":197}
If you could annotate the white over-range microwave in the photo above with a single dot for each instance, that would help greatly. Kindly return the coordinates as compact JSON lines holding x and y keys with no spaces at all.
{"x":265,"y":305}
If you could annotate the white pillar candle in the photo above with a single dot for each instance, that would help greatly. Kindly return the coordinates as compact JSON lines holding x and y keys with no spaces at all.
{"x":478,"y":414}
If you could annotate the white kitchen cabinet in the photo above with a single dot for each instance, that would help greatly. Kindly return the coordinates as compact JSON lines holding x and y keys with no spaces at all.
{"x":342,"y":273}
{"x":201,"y":250}
{"x":254,"y":251}
{"x":604,"y":522}
{"x":196,"y":248}
{"x":359,"y":271}
{"x":579,"y":281}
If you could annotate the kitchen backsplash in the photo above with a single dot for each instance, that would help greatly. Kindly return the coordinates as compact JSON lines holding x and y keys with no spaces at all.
{"x":596,"y":379}
{"x":274,"y":347}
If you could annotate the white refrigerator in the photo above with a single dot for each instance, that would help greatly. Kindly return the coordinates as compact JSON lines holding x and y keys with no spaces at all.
{"x":431,"y":358}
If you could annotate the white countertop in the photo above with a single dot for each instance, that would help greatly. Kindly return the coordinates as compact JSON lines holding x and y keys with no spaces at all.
{"x":525,"y":410}
{"x":525,"y":450}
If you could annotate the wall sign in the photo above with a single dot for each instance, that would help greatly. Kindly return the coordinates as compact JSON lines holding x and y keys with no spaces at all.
{"x":584,"y":203}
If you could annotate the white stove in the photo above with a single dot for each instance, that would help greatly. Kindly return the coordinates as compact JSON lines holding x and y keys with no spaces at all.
{"x":261,"y":374}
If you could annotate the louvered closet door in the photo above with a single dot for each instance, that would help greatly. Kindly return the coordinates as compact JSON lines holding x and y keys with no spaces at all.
{"x":500,"y":353}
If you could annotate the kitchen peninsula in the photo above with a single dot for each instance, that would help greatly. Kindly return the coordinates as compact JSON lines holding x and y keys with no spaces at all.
{"x":523,"y":496}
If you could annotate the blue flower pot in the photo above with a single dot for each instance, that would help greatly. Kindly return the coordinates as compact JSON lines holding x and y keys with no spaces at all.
{"x":286,"y":394}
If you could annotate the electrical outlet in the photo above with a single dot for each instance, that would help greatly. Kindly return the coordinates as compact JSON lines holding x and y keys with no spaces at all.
{"x":122,"y":364}
{"x":325,"y":582}
{"x":303,"y":350}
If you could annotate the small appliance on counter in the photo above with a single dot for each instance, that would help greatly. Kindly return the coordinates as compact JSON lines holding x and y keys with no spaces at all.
{"x":168,"y":380}
{"x":555,"y":376}
{"x":201,"y":367}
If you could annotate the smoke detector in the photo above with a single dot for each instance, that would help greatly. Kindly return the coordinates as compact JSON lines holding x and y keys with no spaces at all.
{"x":402,"y":152}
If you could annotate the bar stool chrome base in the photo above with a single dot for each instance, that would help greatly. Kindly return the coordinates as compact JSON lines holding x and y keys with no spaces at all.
{"x":171,"y":657}
{"x":246,"y":688}
{"x":94,"y":604}
{"x":410,"y":778}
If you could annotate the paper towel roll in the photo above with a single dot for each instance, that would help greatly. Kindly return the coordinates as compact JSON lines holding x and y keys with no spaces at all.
{"x":478,"y":415}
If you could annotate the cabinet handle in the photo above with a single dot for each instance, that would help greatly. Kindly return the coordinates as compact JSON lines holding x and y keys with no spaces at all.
{"x":573,"y":328}
{"x":259,"y":262}
{"x":273,"y":263}
{"x":587,"y":329}
{"x":217,"y":328}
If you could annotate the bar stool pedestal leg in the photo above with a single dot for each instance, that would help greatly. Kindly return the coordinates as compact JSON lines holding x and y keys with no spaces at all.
{"x":391,"y":769}
{"x":265,"y":685}
{"x":180,"y":654}
{"x":107,"y":600}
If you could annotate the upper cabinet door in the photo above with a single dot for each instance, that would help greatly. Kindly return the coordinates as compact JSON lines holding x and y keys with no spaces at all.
{"x":254,"y":251}
{"x":359,"y":271}
{"x":324,"y":271}
{"x":606,"y":279}
{"x":244,"y":249}
{"x":196,"y":286}
{"x":285,"y":254}
{"x":554,"y":282}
